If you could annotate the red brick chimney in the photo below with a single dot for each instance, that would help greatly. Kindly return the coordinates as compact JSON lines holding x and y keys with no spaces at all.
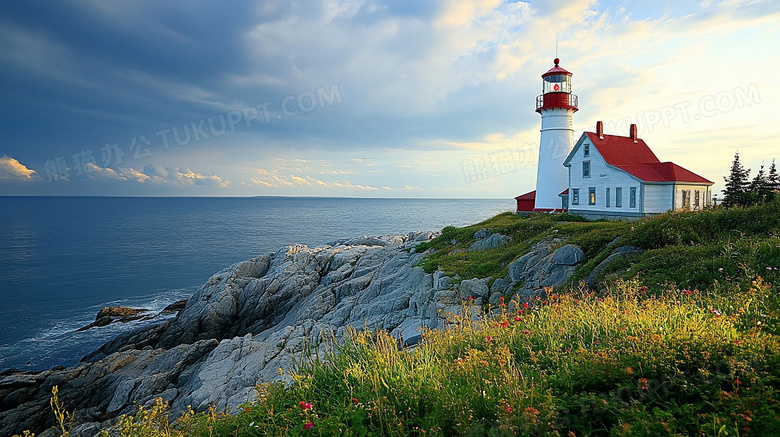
{"x":632,"y":133}
{"x":600,"y":129}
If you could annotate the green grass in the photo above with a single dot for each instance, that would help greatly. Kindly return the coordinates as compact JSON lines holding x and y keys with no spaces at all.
{"x":681,"y":340}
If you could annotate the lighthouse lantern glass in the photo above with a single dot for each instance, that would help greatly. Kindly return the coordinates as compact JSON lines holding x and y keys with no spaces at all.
{"x":559,"y":83}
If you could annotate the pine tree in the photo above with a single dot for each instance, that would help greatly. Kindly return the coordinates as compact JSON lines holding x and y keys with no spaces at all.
{"x":773,"y":181}
{"x":759,"y":187}
{"x":736,"y":192}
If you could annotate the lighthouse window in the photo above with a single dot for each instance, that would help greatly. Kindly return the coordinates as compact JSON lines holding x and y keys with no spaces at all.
{"x":556,"y":84}
{"x":575,"y":196}
{"x":586,"y":169}
{"x":592,"y":196}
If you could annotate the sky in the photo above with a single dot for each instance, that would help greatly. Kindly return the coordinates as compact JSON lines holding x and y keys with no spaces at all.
{"x":368,"y":98}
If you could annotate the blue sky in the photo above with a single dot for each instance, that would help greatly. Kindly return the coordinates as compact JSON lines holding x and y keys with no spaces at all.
{"x":367,"y":98}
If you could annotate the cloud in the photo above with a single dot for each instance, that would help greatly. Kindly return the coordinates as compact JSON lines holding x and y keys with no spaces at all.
{"x":12,"y":169}
{"x":156,"y":174}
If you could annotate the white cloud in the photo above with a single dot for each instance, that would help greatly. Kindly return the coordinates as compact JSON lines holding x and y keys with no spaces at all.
{"x":10,"y":168}
{"x":156,"y":174}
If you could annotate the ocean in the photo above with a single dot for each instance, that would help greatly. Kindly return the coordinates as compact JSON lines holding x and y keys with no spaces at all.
{"x":62,"y":259}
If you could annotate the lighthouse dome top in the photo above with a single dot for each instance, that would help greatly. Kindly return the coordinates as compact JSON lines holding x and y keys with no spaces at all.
{"x":556,"y":70}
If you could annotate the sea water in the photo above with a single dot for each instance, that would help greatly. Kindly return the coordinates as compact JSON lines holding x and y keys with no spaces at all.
{"x":62,"y":259}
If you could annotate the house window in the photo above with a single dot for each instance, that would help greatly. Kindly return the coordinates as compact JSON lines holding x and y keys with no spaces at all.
{"x":686,"y":199}
{"x":586,"y":169}
{"x":575,"y":196}
{"x":632,"y":198}
{"x":696,"y":200}
{"x":619,"y":197}
{"x":592,"y":196}
{"x":586,"y":150}
{"x":606,"y":198}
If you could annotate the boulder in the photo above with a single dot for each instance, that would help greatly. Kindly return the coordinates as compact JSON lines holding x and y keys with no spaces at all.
{"x":481,"y":234}
{"x":547,"y":264}
{"x":474,"y":288}
{"x":108,"y":315}
{"x":491,"y":242}
{"x":622,"y":252}
{"x":568,"y":255}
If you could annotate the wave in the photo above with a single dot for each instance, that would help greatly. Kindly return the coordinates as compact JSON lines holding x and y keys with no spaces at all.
{"x":61,"y":344}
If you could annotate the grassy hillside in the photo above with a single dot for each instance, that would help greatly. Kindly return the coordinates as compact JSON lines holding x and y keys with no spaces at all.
{"x":680,"y":340}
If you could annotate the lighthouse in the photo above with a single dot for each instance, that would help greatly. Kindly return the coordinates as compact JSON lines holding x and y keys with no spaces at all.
{"x":556,"y":105}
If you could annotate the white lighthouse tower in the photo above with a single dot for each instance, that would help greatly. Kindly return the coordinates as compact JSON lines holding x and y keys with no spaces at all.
{"x":556,"y":105}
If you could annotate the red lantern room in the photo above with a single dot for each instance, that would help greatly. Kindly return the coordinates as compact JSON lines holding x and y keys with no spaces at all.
{"x":556,"y":90}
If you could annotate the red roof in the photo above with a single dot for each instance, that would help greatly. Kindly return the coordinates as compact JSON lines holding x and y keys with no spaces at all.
{"x":622,"y":150}
{"x":663,"y":172}
{"x":564,"y":192}
{"x":556,"y":70}
{"x":637,"y":159}
{"x":527,"y":196}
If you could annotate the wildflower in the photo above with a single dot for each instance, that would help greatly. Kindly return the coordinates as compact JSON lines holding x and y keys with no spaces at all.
{"x":525,"y":305}
{"x":508,"y":409}
{"x":488,"y":338}
{"x":629,"y":371}
{"x":308,"y":425}
{"x":304,"y":405}
{"x":644,"y":289}
{"x":247,"y":409}
{"x":720,"y":269}
{"x":471,"y":299}
{"x":526,"y":332}
{"x":518,"y":318}
{"x":355,"y":400}
{"x":642,"y":384}
{"x":530,"y":414}
{"x":504,"y":324}
{"x":736,"y":341}
{"x":502,"y":300}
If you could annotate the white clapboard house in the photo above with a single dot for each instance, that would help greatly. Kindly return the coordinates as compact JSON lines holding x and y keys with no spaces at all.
{"x":614,"y":176}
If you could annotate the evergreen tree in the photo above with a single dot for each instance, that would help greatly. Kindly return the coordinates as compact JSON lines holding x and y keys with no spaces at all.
{"x":773,"y":181}
{"x":759,"y":187}
{"x":736,"y":192}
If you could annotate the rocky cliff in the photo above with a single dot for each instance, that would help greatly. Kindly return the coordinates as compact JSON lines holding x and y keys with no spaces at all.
{"x":256,"y":317}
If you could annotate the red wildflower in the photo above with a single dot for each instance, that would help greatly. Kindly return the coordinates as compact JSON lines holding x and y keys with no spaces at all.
{"x":517,"y":318}
{"x":504,"y":324}
{"x":308,"y":425}
{"x":508,"y":409}
{"x":471,"y":298}
{"x":304,"y":405}
{"x":525,"y":304}
{"x":355,"y":400}
{"x":488,"y":338}
{"x":526,"y":332}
